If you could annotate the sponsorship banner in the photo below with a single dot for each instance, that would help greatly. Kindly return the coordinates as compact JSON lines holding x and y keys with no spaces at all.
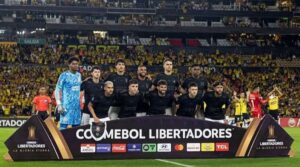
{"x":12,"y":122}
{"x":31,"y":41}
{"x":289,"y":122}
{"x":8,"y":43}
{"x":149,"y":137}
{"x":85,"y":68}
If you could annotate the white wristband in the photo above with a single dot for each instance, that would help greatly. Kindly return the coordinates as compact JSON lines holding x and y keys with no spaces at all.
{"x":58,"y":102}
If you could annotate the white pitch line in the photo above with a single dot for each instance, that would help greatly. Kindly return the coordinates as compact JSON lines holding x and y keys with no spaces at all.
{"x":174,"y":163}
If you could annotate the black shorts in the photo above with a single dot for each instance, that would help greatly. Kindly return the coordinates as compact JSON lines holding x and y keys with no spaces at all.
{"x":274,"y":114}
{"x":56,"y":115}
{"x":42,"y":114}
{"x":246,"y":116}
{"x":238,"y":118}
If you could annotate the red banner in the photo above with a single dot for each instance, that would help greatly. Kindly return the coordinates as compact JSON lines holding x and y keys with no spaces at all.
{"x":290,"y":122}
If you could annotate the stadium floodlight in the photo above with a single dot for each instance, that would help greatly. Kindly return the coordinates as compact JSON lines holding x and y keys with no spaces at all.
{"x":40,"y":29}
{"x":21,"y":32}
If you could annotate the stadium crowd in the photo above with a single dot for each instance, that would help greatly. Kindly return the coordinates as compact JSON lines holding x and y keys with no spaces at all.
{"x":24,"y":69}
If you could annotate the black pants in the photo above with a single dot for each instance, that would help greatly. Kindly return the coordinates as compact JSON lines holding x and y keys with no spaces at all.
{"x":42,"y":114}
{"x":56,"y":115}
{"x":274,"y":114}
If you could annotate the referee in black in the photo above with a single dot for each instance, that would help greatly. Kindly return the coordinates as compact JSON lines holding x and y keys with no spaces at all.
{"x":188,"y":104}
{"x":217,"y":104}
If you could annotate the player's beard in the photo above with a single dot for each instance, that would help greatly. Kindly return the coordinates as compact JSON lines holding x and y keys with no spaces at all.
{"x":162,"y":92}
{"x":142,"y":76}
{"x":196,"y":75}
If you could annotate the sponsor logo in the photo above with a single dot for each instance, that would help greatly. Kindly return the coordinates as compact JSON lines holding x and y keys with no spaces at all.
{"x":164,"y":147}
{"x":119,"y":148}
{"x":179,"y":147}
{"x":207,"y":147}
{"x":31,"y":133}
{"x":292,"y":122}
{"x":271,"y":132}
{"x":149,"y":147}
{"x":220,"y":147}
{"x":87,"y":148}
{"x":289,"y":122}
{"x":134,"y":147}
{"x":193,"y":147}
{"x":103,"y":148}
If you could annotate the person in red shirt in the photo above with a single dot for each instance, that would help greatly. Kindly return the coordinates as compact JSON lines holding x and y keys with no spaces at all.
{"x":41,"y":104}
{"x":255,"y":102}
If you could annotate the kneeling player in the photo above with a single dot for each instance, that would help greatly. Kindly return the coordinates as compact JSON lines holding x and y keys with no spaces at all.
{"x":130,"y":102}
{"x":217,"y":102}
{"x":159,"y":100}
{"x":101,"y":102}
{"x":188,"y":104}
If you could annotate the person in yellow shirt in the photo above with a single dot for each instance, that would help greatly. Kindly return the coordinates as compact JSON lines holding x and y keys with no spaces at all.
{"x":273,"y":102}
{"x":242,"y":118}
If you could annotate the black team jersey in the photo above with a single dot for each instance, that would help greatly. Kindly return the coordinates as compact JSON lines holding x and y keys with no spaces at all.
{"x":172,"y":81}
{"x":129,"y":105}
{"x":201,"y":82}
{"x":158,"y":104}
{"x":120,"y":81}
{"x":187,"y":105}
{"x":101,"y":104}
{"x":214,"y":105}
{"x":90,"y":90}
{"x":144,"y":85}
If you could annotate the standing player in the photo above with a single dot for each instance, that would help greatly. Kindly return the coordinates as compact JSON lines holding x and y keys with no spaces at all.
{"x":145,"y":82}
{"x":273,"y":102}
{"x":89,"y":88}
{"x":255,"y":102}
{"x":41,"y":104}
{"x":119,"y":78}
{"x":172,"y":80}
{"x":159,"y":100}
{"x":101,"y":102}
{"x":67,"y":95}
{"x":188,"y":104}
{"x":144,"y":79}
{"x":130,"y":101}
{"x":240,"y":107}
{"x":217,"y":104}
{"x":196,"y":78}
